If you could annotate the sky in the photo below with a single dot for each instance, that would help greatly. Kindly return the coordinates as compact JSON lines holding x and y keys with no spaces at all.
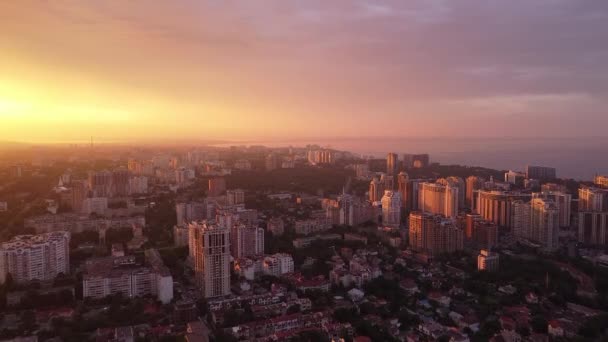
{"x":280,"y":69}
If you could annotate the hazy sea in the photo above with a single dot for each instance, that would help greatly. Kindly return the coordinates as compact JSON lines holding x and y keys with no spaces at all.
{"x":578,"y":158}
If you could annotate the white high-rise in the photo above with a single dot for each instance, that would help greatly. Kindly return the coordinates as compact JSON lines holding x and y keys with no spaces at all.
{"x":40,"y":257}
{"x":212,"y":258}
{"x":544,"y":221}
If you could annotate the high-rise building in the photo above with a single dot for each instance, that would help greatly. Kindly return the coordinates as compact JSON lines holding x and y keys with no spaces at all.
{"x":563,"y":202}
{"x":520,"y":222}
{"x":496,"y":206}
{"x":180,"y":235}
{"x":80,"y":191}
{"x":96,"y":205}
{"x":402,"y":182}
{"x":376,"y":190}
{"x":388,"y":181}
{"x":100,"y":183}
{"x":317,"y":157}
{"x":437,"y":198}
{"x":540,"y":172}
{"x":480,"y":233}
{"x":120,"y":182}
{"x":138,"y":185}
{"x":217,"y":187}
{"x":391,"y":209}
{"x":35,"y":257}
{"x":235,"y":196}
{"x":187,"y":212}
{"x":472,"y":183}
{"x":391,"y":164}
{"x":593,"y":227}
{"x":211,"y":258}
{"x":592,"y":199}
{"x":601,"y":181}
{"x":434,"y":234}
{"x":487,"y":261}
{"x":544,"y":222}
{"x":456,"y":182}
{"x":246,"y":240}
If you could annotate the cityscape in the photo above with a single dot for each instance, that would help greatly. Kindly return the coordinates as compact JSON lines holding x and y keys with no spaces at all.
{"x":303,"y":171}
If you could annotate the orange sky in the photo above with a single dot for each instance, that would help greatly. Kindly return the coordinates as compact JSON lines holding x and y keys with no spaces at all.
{"x":147,"y":70}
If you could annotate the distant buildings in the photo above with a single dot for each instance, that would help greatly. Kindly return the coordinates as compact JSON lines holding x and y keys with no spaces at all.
{"x":563,"y":202}
{"x":391,"y":164}
{"x":217,"y":187}
{"x":278,"y":264}
{"x":434,"y":234}
{"x":317,"y":157}
{"x":211,"y":243}
{"x":376,"y":190}
{"x":544,"y":222}
{"x":35,"y":257}
{"x":75,"y":223}
{"x":515,"y":178}
{"x":438,"y":198}
{"x":96,"y":205}
{"x":246,"y":240}
{"x":601,"y":181}
{"x":391,"y":209}
{"x":415,"y":161}
{"x":235,"y":196}
{"x":487,"y":261}
{"x":272,"y":162}
{"x":540,"y":172}
{"x":472,"y":183}
{"x":276,"y":226}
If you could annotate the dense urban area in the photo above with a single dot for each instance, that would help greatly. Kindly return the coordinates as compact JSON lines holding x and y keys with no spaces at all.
{"x":251,"y":243}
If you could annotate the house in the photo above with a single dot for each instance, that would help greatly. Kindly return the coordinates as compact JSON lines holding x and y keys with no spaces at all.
{"x":555,"y":329}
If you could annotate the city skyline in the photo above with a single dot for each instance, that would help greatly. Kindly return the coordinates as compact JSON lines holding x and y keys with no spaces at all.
{"x":216,"y":71}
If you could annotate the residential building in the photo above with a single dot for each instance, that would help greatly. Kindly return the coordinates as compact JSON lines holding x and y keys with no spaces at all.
{"x":593,"y":227}
{"x":487,"y":261}
{"x":278,"y":264}
{"x":563,"y":202}
{"x":235,"y":196}
{"x":515,"y":178}
{"x":434,"y":234}
{"x":438,"y":198}
{"x":480,"y":233}
{"x":544,"y":223}
{"x":601,"y":181}
{"x":391,"y":209}
{"x":35,"y":257}
{"x":180,"y":235}
{"x":391,"y":164}
{"x":110,"y":275}
{"x":97,"y":205}
{"x":211,"y":258}
{"x":376,"y":190}
{"x":472,"y":183}
{"x":246,"y":240}
{"x":592,"y":199}
{"x":187,"y":212}
{"x":496,"y":206}
{"x":540,"y":172}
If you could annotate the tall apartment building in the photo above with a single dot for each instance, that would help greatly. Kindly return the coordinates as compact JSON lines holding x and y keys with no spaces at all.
{"x":235,"y":196}
{"x":496,"y":206}
{"x":456,"y":182}
{"x":35,"y":257}
{"x":391,"y":209}
{"x":246,"y":240}
{"x":97,"y":205}
{"x":110,"y":275}
{"x":211,"y":245}
{"x":80,"y":191}
{"x":138,"y":185}
{"x":480,"y":233}
{"x":520,"y":223}
{"x":540,"y":172}
{"x":434,"y":234}
{"x":272,"y":162}
{"x":187,"y":212}
{"x":376,"y":190}
{"x":391,"y":164}
{"x":592,"y":199}
{"x":120,"y":182}
{"x":278,"y":264}
{"x":544,"y":221}
{"x":437,"y":198}
{"x":472,"y":183}
{"x":593,"y":227}
{"x":563,"y":202}
{"x":416,"y":161}
{"x":515,"y":178}
{"x":180,"y":235}
{"x":601,"y":181}
{"x":101,"y":183}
